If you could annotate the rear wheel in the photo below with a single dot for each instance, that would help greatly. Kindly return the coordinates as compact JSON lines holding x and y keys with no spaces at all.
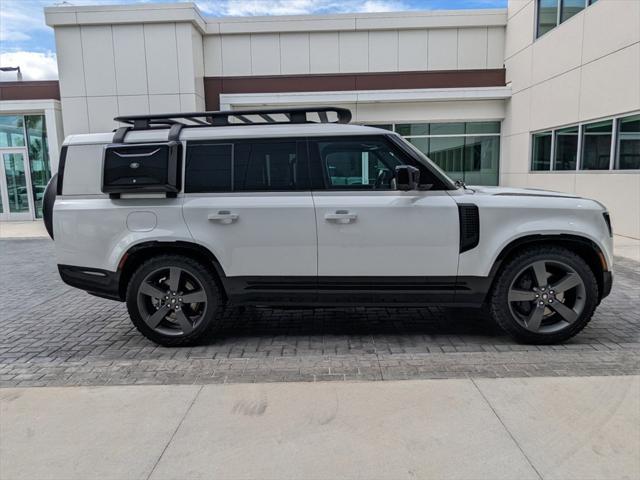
{"x":173,"y":300}
{"x":544,"y":295}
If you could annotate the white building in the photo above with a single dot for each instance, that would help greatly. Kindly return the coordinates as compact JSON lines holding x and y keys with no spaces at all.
{"x":534,"y":95}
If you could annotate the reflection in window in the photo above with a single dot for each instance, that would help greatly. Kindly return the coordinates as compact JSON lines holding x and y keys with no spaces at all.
{"x":38,"y":158}
{"x":541,"y":158}
{"x":11,"y":131}
{"x":547,"y":16}
{"x":566,"y":148}
{"x":628,"y":151}
{"x":596,"y":146}
{"x":406,"y":129}
{"x":570,"y":8}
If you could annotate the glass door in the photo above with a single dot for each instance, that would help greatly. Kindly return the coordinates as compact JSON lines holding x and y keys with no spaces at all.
{"x":15,"y":185}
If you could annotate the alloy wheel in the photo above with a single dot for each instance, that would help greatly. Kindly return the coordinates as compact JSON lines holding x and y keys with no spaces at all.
{"x":546,"y":296}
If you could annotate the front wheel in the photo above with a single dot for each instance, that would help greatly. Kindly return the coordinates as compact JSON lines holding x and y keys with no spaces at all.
{"x":544,"y":295}
{"x":173,"y":300}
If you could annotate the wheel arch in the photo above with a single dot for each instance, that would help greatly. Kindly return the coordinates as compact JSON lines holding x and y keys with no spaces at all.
{"x":588,"y":250}
{"x":141,"y":252}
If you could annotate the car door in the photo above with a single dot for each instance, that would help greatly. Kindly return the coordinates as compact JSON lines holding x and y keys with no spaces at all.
{"x":376,"y":243}
{"x":249,"y":203}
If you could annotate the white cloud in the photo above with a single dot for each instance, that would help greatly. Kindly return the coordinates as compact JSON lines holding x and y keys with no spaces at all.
{"x":33,"y":65}
{"x":20,"y":18}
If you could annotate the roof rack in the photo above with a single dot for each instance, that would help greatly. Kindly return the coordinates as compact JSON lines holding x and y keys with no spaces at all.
{"x":175,"y":122}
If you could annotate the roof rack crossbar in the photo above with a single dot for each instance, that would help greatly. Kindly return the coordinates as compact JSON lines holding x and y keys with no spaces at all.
{"x":222,"y":118}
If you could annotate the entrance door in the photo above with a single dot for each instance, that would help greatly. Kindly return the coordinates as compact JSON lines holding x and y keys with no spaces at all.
{"x":15,"y":185}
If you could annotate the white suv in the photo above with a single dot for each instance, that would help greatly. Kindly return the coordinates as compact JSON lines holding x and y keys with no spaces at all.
{"x":181,"y":215}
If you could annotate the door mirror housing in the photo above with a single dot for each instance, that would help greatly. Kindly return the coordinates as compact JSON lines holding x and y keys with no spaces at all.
{"x":407,"y":178}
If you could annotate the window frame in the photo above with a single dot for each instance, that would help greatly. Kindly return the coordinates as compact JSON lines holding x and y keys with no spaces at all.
{"x":302,"y":158}
{"x":559,"y":21}
{"x":613,"y":152}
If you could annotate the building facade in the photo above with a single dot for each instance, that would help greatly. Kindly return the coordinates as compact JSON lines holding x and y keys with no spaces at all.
{"x":536,"y":95}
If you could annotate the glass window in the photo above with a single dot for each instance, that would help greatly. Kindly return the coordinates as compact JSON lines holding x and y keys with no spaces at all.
{"x":208,"y":168}
{"x":38,"y":158}
{"x":628,"y":151}
{"x":358,"y":164}
{"x":266,"y":166}
{"x":448,"y":154}
{"x":570,"y":8}
{"x":591,"y":2}
{"x":541,"y":157}
{"x":446,"y":129}
{"x":481,"y":159}
{"x":547,"y":16}
{"x":385,"y":126}
{"x":11,"y":131}
{"x":406,"y":129}
{"x":15,"y":175}
{"x":475,"y":128}
{"x":596,"y":146}
{"x":566,"y":149}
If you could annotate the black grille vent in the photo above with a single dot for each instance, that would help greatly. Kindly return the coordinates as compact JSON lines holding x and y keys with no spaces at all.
{"x":469,"y":226}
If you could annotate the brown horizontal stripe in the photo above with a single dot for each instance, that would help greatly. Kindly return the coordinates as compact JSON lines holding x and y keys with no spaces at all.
{"x":30,"y":90}
{"x":214,"y":86}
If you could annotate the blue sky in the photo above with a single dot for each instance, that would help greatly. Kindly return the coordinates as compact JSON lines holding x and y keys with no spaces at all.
{"x":25,"y":40}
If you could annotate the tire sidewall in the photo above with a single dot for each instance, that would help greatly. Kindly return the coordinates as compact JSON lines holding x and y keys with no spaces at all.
{"x":499,"y":303}
{"x":203,"y":274}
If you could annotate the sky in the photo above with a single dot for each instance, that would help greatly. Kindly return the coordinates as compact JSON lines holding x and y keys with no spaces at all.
{"x":26,"y":41}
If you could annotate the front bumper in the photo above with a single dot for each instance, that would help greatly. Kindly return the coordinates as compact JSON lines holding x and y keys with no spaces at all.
{"x":101,"y":283}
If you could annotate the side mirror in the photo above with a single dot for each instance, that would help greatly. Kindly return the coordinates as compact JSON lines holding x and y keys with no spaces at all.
{"x":407,"y":178}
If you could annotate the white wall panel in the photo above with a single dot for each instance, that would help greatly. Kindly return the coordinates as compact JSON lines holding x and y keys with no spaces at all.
{"x":162,"y":58}
{"x":518,"y":70}
{"x":520,"y":29}
{"x":558,"y":51}
{"x":187,"y":69}
{"x":610,"y":26}
{"x":129,"y":52}
{"x":164,"y":103}
{"x":97,"y":50}
{"x":212,"y":45}
{"x":74,"y":115}
{"x":443,"y":49}
{"x":354,"y":51}
{"x":412,"y":50}
{"x":383,"y":51}
{"x":472,"y":48}
{"x":133,"y":104}
{"x":265,"y":54}
{"x":70,"y":64}
{"x":236,"y":55}
{"x":495,"y":47}
{"x":294,"y":53}
{"x":555,"y":102}
{"x":324,"y":52}
{"x":102,"y":110}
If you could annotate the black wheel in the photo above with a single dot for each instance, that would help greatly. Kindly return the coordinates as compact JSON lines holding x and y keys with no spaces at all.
{"x":544,"y":295}
{"x":173,"y":300}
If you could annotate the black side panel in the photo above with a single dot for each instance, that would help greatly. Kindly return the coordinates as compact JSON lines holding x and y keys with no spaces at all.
{"x":469,"y":226}
{"x":61,"y":165}
{"x":101,"y":283}
{"x":47,"y":204}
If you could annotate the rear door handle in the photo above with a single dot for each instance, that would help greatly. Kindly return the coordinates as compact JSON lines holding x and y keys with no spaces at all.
{"x":223,"y":216}
{"x":341,"y":216}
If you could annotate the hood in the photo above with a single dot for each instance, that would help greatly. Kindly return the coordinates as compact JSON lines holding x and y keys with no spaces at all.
{"x":520,"y":192}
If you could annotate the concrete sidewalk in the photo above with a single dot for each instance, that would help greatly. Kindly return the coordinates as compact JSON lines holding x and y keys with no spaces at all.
{"x":551,"y":428}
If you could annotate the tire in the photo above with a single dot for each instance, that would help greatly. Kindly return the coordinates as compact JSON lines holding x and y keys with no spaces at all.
{"x":47,"y":204}
{"x":544,"y":295}
{"x":158,"y":305}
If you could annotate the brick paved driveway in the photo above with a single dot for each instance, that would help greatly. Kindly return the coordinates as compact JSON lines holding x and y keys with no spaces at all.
{"x":55,"y":335}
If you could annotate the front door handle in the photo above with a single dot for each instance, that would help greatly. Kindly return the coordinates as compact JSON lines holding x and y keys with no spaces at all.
{"x":223,"y":216}
{"x":341,"y":216}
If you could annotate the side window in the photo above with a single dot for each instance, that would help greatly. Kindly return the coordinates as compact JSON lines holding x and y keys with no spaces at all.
{"x":357,"y":163}
{"x":245,"y":166}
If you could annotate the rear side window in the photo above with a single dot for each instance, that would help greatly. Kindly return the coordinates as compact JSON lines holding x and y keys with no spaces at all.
{"x":246,"y":166}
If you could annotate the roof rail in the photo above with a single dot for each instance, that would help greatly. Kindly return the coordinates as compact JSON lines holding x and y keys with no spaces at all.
{"x":272,"y":116}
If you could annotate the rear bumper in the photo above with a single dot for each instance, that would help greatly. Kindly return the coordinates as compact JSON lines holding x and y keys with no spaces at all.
{"x":101,"y":283}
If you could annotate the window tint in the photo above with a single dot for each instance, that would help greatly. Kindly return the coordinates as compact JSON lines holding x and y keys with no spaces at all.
{"x":541,"y":158}
{"x":596,"y":146}
{"x":244,"y":166}
{"x":547,"y":15}
{"x":265,"y":166}
{"x":208,"y":168}
{"x":628,"y":143}
{"x":566,"y":148}
{"x":570,"y":8}
{"x":358,"y":164}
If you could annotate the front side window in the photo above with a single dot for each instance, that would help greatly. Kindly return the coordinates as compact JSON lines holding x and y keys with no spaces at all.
{"x":541,"y":158}
{"x":628,"y":151}
{"x":596,"y":145}
{"x":244,"y":166}
{"x":357,"y":164}
{"x":566,"y":148}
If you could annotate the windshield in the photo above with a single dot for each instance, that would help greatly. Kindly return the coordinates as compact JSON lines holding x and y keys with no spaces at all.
{"x":427,"y":162}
